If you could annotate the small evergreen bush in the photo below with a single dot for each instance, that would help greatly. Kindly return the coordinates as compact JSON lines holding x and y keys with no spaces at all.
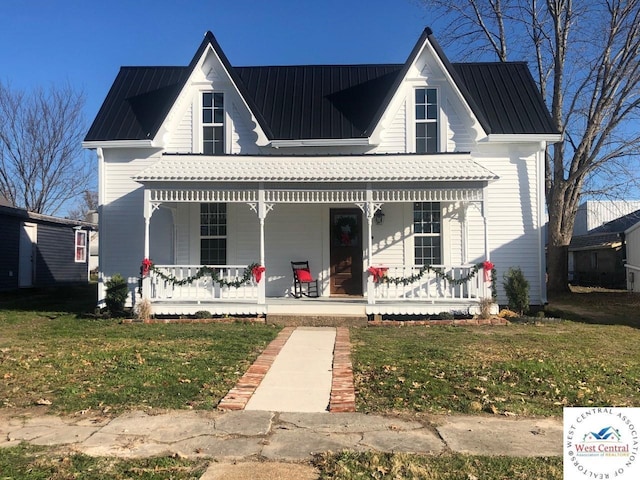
{"x":516,"y":287}
{"x":116,"y":295}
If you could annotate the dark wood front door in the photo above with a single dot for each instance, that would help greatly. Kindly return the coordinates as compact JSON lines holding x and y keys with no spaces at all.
{"x":346,"y":251}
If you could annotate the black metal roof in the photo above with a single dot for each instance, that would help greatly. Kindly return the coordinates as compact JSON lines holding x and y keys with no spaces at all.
{"x":321,"y":101}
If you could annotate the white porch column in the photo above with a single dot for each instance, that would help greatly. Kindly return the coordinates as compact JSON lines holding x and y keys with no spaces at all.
{"x":487,"y":252}
{"x":262,"y":209}
{"x":369,"y":209}
{"x":148,"y":211}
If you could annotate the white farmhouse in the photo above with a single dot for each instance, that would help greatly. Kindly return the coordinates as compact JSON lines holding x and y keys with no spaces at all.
{"x":400,"y":184}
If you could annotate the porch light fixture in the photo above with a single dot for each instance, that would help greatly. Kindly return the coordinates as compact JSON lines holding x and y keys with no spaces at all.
{"x":379,"y":216}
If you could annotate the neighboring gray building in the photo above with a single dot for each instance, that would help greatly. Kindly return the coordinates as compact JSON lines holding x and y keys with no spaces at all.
{"x":594,"y":213}
{"x":41,"y":250}
{"x":598,"y":258}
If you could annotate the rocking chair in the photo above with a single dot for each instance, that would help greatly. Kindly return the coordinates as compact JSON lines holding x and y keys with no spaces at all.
{"x":302,"y":278}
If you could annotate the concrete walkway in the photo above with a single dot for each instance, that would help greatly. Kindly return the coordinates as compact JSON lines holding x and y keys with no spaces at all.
{"x":299,"y":379}
{"x":280,"y":437}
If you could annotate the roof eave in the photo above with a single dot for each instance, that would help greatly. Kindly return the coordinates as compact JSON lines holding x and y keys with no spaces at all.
{"x":94,"y":144}
{"x":523,"y":137}
{"x":322,"y":142}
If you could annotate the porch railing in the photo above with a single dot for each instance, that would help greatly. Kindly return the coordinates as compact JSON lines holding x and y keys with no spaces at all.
{"x":165,"y":284}
{"x":450,"y":283}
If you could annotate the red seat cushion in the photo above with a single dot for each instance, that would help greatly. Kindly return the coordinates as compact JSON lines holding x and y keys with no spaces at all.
{"x":304,"y":275}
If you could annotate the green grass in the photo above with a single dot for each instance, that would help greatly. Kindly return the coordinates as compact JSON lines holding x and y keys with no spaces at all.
{"x":35,"y":463}
{"x":48,"y":354}
{"x":373,"y":465}
{"x":523,"y":369}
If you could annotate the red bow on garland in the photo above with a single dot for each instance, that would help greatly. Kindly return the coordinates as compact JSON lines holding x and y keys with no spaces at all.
{"x":257,"y":272}
{"x":377,"y":273}
{"x":487,"y":267}
{"x":146,"y":266}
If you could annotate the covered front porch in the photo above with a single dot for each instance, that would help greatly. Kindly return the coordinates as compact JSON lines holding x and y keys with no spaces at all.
{"x":324,"y":210}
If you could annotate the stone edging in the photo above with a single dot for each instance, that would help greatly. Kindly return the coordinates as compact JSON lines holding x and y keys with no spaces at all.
{"x":343,"y":395}
{"x":239,"y":395}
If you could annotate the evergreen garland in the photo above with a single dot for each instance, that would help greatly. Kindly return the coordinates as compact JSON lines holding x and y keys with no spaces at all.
{"x":207,"y":271}
{"x":439,"y":272}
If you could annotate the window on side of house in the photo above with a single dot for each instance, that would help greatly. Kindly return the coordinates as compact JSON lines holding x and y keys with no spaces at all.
{"x":80,"y":246}
{"x":426,"y":120}
{"x":213,"y":123}
{"x":213,"y":233}
{"x":427,"y":228}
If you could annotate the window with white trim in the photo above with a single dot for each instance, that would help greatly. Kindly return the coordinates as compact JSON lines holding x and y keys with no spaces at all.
{"x":426,"y":102}
{"x":213,"y":123}
{"x":213,"y":233}
{"x":80,"y":246}
{"x":427,"y":224}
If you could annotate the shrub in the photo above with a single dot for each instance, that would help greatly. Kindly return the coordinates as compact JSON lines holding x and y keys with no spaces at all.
{"x":516,"y":287}
{"x":116,"y":295}
{"x":200,"y":314}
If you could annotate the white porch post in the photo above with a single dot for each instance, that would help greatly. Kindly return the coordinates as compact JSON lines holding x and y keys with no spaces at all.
{"x":369,"y":209}
{"x":148,"y":211}
{"x":487,"y":252}
{"x":262,"y":209}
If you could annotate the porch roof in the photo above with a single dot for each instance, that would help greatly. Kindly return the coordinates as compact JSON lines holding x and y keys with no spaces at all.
{"x":457,"y":167}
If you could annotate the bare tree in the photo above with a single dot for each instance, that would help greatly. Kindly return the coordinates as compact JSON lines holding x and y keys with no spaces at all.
{"x":42,"y":165}
{"x":586,"y":60}
{"x":88,"y":204}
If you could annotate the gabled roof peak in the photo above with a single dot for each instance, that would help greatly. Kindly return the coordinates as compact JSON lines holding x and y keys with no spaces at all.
{"x":355,"y":96}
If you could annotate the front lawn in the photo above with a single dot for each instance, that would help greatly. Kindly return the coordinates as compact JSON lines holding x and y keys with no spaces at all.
{"x":376,"y":465}
{"x":53,"y":355}
{"x":34,"y":463}
{"x":521,"y":369}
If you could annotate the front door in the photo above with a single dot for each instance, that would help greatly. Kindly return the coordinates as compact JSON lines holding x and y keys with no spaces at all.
{"x":346,"y":251}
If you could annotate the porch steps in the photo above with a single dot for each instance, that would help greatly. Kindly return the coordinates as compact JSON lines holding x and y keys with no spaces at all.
{"x":321,"y":320}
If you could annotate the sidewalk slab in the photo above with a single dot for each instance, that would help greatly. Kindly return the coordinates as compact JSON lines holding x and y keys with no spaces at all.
{"x":347,"y":422}
{"x":300,"y":445}
{"x":260,"y":471}
{"x":540,"y":437}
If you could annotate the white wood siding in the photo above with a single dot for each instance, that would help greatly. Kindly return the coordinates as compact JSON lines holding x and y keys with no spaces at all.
{"x":512,"y":208}
{"x":394,"y":137}
{"x":181,"y":138}
{"x":122,"y":214}
{"x":459,"y":134}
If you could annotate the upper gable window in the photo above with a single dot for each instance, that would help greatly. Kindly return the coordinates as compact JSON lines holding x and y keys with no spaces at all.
{"x":213,"y":123}
{"x":426,"y":120}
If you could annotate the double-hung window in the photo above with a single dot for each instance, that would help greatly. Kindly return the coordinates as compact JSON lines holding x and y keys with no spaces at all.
{"x":213,"y":233}
{"x":426,"y":228}
{"x":212,"y":123}
{"x":426,"y":120}
{"x":80,"y":246}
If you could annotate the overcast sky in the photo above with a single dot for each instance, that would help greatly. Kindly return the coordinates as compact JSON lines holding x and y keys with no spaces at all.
{"x":85,"y":42}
